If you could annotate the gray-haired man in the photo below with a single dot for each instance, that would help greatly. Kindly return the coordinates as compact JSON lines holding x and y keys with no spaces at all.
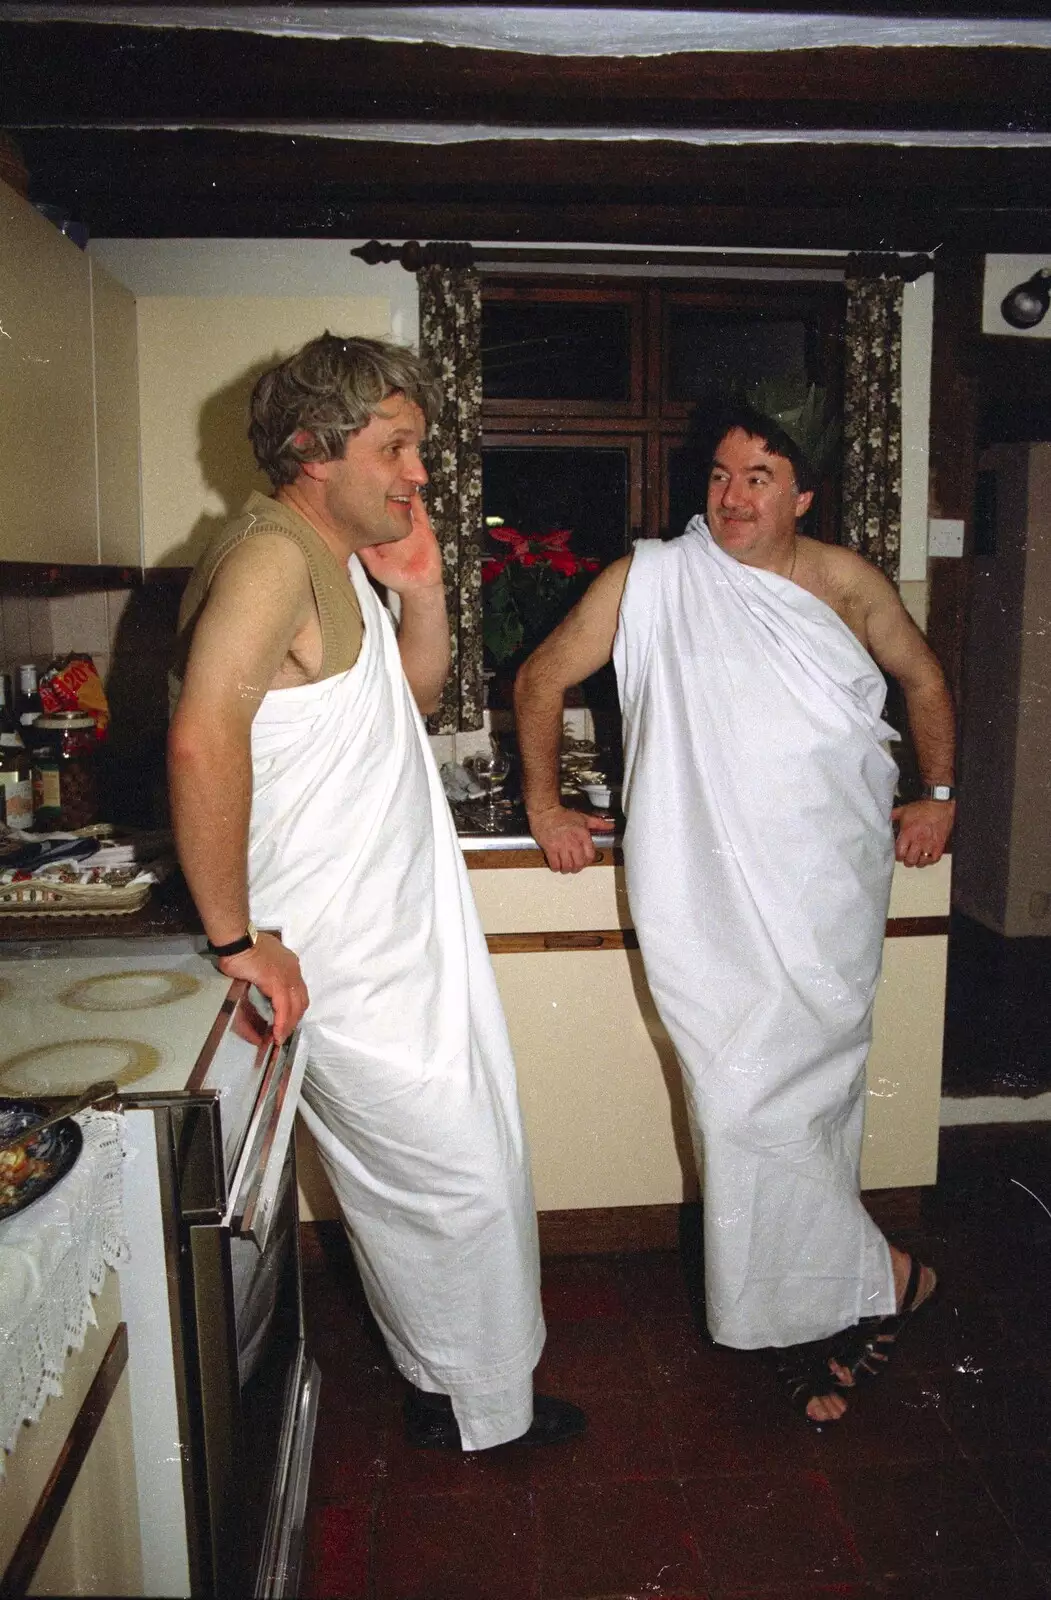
{"x":304,"y":798}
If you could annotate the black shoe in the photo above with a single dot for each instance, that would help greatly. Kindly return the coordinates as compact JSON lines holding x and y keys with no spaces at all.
{"x":431,"y":1425}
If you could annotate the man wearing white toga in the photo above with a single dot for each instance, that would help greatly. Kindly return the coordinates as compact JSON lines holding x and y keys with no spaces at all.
{"x":305,"y":799}
{"x":758,"y":853}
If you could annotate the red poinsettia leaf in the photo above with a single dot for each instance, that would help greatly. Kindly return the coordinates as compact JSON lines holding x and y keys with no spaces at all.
{"x":556,"y":540}
{"x":565,"y":563}
{"x":519,"y":544}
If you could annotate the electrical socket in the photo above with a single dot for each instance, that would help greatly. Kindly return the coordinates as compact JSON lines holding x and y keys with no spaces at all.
{"x":945,"y":537}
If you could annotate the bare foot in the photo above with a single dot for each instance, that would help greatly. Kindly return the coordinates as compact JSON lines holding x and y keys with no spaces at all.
{"x":826,"y":1407}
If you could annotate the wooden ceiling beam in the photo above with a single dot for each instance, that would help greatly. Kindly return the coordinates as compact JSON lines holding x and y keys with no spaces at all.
{"x":75,"y":73}
{"x":161,"y":165}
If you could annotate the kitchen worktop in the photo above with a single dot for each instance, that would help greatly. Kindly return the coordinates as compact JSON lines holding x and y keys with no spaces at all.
{"x":170,"y":910}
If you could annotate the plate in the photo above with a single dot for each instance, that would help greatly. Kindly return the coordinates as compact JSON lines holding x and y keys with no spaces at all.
{"x":57,"y":1150}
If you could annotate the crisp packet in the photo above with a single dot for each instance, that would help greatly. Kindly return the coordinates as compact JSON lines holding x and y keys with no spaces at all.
{"x":73,"y":684}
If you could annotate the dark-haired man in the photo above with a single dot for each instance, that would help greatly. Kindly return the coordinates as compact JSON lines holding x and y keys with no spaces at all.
{"x":304,"y":797}
{"x":759,"y":847}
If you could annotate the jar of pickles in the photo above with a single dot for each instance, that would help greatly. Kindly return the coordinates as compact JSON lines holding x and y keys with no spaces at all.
{"x":65,"y":793}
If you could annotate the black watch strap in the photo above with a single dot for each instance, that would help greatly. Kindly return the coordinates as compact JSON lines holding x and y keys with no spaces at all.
{"x":236,"y":947}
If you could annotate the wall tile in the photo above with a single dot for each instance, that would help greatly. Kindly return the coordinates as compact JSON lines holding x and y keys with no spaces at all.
{"x":62,"y":617}
{"x":17,"y":645}
{"x":90,"y":623}
{"x":39,"y":614}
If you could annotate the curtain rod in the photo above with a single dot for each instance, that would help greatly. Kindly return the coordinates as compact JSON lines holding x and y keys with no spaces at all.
{"x":412,"y":256}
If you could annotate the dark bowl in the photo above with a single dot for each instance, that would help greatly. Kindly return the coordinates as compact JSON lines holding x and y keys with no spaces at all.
{"x":57,"y":1149}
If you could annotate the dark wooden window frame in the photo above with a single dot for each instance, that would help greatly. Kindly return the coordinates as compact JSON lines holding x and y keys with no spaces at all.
{"x":650,"y":423}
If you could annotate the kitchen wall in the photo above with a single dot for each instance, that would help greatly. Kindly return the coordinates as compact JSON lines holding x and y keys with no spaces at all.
{"x":210,"y":315}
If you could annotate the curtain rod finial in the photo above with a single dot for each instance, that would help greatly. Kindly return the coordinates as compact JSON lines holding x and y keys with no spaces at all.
{"x":413,"y":255}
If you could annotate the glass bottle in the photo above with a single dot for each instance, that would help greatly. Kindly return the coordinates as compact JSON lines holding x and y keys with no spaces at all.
{"x":16,"y":771}
{"x":29,"y":706}
{"x":9,"y":734}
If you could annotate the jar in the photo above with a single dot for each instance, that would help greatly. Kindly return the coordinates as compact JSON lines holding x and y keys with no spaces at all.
{"x":64,"y":788}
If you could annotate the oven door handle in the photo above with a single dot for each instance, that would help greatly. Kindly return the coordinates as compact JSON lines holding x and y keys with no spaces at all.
{"x":257,"y":1183}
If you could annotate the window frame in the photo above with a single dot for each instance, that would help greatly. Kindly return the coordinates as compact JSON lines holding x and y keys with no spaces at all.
{"x":657,"y":423}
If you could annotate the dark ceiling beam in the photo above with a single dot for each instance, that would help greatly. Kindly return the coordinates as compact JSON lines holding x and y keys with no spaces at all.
{"x":225,"y":164}
{"x":76,"y":73}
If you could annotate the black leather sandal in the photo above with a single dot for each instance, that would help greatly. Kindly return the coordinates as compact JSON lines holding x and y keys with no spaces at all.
{"x":803,"y":1372}
{"x":865,"y":1350}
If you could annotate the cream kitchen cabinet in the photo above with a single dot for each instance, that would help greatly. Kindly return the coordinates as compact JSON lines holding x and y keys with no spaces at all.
{"x":69,"y":1518}
{"x":69,"y":429}
{"x":597,"y":1074}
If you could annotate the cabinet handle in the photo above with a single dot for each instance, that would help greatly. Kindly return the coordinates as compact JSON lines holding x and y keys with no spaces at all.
{"x":574,"y":941}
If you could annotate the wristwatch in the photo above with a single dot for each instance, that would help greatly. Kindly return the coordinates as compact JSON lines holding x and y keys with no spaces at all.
{"x":236,"y":947}
{"x":939,"y":791}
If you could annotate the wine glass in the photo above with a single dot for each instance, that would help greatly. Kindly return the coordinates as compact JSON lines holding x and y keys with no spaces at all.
{"x":490,"y":768}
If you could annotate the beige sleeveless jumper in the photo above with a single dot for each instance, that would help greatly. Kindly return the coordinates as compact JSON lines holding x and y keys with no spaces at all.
{"x":342,"y":627}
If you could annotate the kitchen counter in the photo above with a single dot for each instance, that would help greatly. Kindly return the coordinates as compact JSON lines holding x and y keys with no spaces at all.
{"x":168,"y":911}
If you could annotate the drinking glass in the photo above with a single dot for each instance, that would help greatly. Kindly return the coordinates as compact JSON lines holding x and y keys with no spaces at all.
{"x":489,"y":768}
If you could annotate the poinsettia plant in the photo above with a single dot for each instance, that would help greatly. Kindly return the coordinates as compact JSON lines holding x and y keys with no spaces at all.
{"x":528,"y":588}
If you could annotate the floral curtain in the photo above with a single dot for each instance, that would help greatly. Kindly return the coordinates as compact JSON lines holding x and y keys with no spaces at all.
{"x":871,"y":512}
{"x":450,"y":340}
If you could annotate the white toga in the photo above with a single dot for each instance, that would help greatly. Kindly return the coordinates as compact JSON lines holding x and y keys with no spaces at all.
{"x":755,"y":764}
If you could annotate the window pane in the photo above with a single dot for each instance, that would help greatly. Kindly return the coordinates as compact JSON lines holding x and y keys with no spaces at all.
{"x":687,"y":487}
{"x":539,"y":490}
{"x":555,"y":352}
{"x":709,"y":350}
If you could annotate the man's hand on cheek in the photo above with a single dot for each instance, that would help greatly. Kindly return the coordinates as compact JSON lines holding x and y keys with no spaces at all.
{"x":414,"y":562}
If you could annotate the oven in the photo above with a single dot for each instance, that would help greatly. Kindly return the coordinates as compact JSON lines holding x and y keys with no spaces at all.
{"x":223,"y":1390}
{"x":247,"y":1388}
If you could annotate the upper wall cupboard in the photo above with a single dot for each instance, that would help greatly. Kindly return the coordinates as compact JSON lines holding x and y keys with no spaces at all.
{"x":69,"y":429}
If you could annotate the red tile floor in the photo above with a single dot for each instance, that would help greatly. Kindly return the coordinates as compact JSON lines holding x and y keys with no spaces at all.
{"x":694,"y":1480}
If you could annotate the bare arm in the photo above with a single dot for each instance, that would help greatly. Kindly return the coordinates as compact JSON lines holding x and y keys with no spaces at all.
{"x":259,"y":600}
{"x":577,"y":648}
{"x":412,"y":568}
{"x":899,"y":647}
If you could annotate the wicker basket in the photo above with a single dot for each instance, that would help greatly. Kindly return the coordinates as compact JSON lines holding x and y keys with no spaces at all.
{"x":36,"y":897}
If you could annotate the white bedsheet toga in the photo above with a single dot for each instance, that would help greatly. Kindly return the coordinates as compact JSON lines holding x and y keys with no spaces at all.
{"x":759,"y":851}
{"x":410,"y":1091}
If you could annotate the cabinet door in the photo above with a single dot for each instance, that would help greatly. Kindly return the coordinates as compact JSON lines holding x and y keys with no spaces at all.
{"x":116,"y":419}
{"x":48,"y":509}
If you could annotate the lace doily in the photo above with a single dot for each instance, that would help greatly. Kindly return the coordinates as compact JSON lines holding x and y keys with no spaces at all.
{"x":53,"y":1257}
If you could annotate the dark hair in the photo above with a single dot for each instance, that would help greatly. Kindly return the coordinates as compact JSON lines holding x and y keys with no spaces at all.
{"x":739,"y":414}
{"x":326,"y":391}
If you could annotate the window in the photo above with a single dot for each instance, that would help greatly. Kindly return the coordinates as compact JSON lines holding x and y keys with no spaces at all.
{"x":595,"y":394}
{"x":625,"y":371}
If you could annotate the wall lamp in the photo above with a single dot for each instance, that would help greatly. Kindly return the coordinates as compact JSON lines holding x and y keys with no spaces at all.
{"x":1027,"y":304}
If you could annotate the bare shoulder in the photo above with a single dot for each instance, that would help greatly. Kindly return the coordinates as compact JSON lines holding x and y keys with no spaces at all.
{"x":858,"y":592}
{"x":260,"y":563}
{"x":844,"y":571}
{"x":257,"y":627}
{"x":583,"y":641}
{"x":608,"y":588}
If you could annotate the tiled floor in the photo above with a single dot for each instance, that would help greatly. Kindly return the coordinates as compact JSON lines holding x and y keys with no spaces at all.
{"x":694,"y":1480}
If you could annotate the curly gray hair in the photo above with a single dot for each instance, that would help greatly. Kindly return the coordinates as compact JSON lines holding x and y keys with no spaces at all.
{"x":306,"y":408}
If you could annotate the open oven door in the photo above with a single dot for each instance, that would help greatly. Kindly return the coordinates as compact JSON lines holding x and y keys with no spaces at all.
{"x":258,"y":1384}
